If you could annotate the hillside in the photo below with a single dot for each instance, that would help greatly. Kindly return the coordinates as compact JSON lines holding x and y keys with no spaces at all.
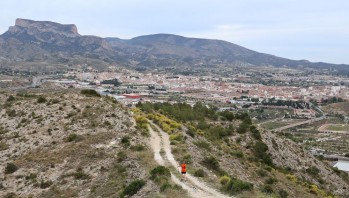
{"x":72,"y":143}
{"x":68,"y":144}
{"x":43,"y":43}
{"x":231,"y":154}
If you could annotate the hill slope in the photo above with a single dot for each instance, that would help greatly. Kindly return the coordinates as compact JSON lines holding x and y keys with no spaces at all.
{"x":66,"y":144}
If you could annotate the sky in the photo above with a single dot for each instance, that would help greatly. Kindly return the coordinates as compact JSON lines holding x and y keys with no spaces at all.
{"x":315,"y":30}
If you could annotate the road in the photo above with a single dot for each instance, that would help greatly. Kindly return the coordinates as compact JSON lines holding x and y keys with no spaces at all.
{"x":299,"y":123}
{"x":196,"y":189}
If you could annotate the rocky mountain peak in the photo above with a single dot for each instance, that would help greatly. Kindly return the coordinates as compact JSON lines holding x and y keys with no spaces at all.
{"x":33,"y":27}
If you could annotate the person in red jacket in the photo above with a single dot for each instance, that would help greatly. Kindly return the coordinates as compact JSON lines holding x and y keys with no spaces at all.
{"x":183,"y":168}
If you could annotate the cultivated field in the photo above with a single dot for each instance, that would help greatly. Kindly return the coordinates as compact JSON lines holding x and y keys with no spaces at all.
{"x":334,"y":128}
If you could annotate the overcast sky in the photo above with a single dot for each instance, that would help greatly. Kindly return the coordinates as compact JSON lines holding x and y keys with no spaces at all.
{"x":316,"y":30}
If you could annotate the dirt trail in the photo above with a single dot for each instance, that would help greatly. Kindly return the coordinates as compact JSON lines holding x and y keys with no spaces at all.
{"x":195,"y":188}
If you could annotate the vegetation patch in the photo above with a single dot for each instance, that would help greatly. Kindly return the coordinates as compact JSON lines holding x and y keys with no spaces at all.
{"x":10,"y":168}
{"x":133,"y":187}
{"x":90,"y":93}
{"x":233,"y":185}
{"x":160,"y":174}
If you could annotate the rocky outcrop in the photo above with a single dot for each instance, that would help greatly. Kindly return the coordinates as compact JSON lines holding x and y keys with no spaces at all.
{"x":34,"y":27}
{"x":42,"y":40}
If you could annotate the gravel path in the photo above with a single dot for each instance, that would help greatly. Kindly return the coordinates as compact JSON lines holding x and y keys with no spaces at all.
{"x":196,"y":189}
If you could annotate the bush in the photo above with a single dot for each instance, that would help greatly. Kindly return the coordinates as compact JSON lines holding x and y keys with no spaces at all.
{"x":238,"y":154}
{"x":283,"y":193}
{"x":138,"y":147}
{"x":255,"y":133}
{"x":211,"y":163}
{"x":80,"y":175}
{"x":133,"y":187}
{"x":10,"y":98}
{"x":45,"y":184}
{"x":313,"y":171}
{"x":270,"y":180}
{"x":72,"y":137}
{"x":262,"y":172}
{"x":159,"y":171}
{"x":199,"y":173}
{"x":10,"y":168}
{"x":260,"y":151}
{"x":234,"y":185}
{"x":165,"y":186}
{"x":176,"y":137}
{"x":186,"y":158}
{"x":267,"y":189}
{"x":125,"y":140}
{"x":203,"y":144}
{"x":224,"y":180}
{"x":121,"y":156}
{"x":31,"y":176}
{"x":41,"y":99}
{"x":90,"y":93}
{"x":11,"y":113}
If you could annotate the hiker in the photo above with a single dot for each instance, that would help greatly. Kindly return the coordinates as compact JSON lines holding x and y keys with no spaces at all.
{"x":183,"y":168}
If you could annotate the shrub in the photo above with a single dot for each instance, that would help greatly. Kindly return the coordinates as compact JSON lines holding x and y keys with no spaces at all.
{"x":41,"y":99}
{"x":121,"y":156}
{"x":291,"y":177}
{"x":176,"y":137}
{"x":159,"y":171}
{"x":80,"y":175}
{"x":31,"y":176}
{"x":11,"y":113}
{"x":10,"y":98}
{"x":186,"y":158}
{"x":262,"y":172}
{"x":313,"y":171}
{"x":203,"y":144}
{"x":234,"y":185}
{"x":133,"y":187}
{"x":238,"y":154}
{"x":45,"y":184}
{"x":224,"y":180}
{"x":199,"y":173}
{"x":138,"y":147}
{"x":282,"y":193}
{"x":90,"y":93}
{"x":165,"y":186}
{"x":72,"y":137}
{"x":255,"y":133}
{"x":270,"y":180}
{"x":211,"y":163}
{"x":10,"y":168}
{"x":260,"y":151}
{"x":267,"y":189}
{"x":125,"y":140}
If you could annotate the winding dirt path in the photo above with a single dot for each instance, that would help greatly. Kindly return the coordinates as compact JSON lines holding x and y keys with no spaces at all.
{"x":196,"y":189}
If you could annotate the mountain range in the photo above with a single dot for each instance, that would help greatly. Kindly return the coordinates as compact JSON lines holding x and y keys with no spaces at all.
{"x":53,"y":43}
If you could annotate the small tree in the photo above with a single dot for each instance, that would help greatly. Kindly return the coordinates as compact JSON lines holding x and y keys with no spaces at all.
{"x":10,"y":168}
{"x":41,"y":99}
{"x":10,"y":98}
{"x":133,"y":187}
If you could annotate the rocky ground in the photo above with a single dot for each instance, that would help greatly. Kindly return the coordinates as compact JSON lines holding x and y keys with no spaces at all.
{"x":67,"y":144}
